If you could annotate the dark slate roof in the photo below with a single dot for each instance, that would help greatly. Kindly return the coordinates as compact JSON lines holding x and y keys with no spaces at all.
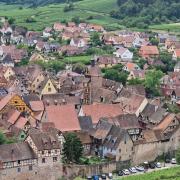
{"x":45,"y":140}
{"x":85,"y":122}
{"x":149,"y":110}
{"x":114,"y":137}
{"x":15,"y":152}
{"x":136,"y":89}
{"x":158,"y":116}
{"x":126,"y":121}
{"x":3,"y":92}
{"x":60,"y":98}
{"x":30,"y":97}
{"x":7,"y":59}
{"x":102,"y":129}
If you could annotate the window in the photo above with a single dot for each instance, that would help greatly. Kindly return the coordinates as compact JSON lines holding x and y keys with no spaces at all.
{"x":43,"y":160}
{"x":15,"y":102}
{"x":49,"y":89}
{"x":19,"y":169}
{"x":22,"y":136}
{"x":42,"y":152}
{"x":49,"y":152}
{"x":19,"y":162}
{"x":30,"y":168}
{"x":55,"y":151}
{"x":54,"y":159}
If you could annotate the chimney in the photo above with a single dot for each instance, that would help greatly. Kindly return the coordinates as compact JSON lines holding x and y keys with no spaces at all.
{"x":156,"y":108}
{"x":93,"y":62}
{"x":12,"y":154}
{"x":55,"y":102}
{"x":47,"y":102}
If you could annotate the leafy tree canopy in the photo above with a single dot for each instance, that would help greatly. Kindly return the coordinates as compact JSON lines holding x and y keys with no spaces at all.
{"x":72,"y":148}
{"x":141,"y":13}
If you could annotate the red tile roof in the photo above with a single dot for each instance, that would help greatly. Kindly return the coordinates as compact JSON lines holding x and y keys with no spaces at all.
{"x":20,"y":123}
{"x":165,"y":122}
{"x":14,"y":116}
{"x":64,"y":117}
{"x":97,"y":111}
{"x":177,"y":52}
{"x":148,"y":50}
{"x":4,"y":101}
{"x":37,"y":105}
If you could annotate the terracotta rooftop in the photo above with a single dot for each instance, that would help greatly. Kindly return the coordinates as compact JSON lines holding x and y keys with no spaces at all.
{"x":165,"y":122}
{"x":64,"y":117}
{"x":20,"y":123}
{"x":97,"y":111}
{"x":37,"y":105}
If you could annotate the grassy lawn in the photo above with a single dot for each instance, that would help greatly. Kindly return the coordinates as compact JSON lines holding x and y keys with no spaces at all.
{"x":47,"y":15}
{"x":174,"y":27}
{"x":166,"y":174}
{"x":77,"y":59}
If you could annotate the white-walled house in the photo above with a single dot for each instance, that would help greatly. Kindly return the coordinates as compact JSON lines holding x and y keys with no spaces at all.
{"x":78,"y":42}
{"x":124,"y":54}
{"x":176,"y":54}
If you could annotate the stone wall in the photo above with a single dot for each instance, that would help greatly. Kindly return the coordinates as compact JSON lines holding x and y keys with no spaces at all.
{"x":71,"y":171}
{"x":38,"y":173}
{"x":149,"y":151}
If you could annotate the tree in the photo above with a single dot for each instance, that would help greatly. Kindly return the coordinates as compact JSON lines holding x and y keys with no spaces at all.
{"x":76,"y":20}
{"x":135,"y":81}
{"x":115,"y":75}
{"x":72,"y":148}
{"x":79,"y":68}
{"x":152,"y":81}
{"x":95,"y":39}
{"x":154,"y":41}
{"x":2,"y":138}
{"x":178,"y":156}
{"x":11,"y":21}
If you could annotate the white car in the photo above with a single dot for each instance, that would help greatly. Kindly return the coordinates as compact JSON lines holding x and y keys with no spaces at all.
{"x":125,"y":171}
{"x":133,"y":170}
{"x":173,"y":161}
{"x":158,"y":165}
{"x":140,"y":168}
{"x":110,"y":176}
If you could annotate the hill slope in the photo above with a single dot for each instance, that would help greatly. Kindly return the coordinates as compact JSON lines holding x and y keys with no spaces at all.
{"x":99,"y":11}
{"x":141,"y":13}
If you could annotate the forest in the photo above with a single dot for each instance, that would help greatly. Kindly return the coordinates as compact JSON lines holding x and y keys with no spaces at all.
{"x":35,"y":3}
{"x":142,"y":13}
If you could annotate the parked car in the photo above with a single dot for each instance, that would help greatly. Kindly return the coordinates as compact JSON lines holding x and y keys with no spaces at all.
{"x":158,"y":165}
{"x":167,"y":161}
{"x":103,"y":176}
{"x":133,"y":170}
{"x":126,"y":172}
{"x":89,"y":177}
{"x":110,"y":176}
{"x":173,"y":161}
{"x":146,"y":165}
{"x":95,"y":177}
{"x":152,"y":165}
{"x":139,"y":168}
{"x":120,"y":173}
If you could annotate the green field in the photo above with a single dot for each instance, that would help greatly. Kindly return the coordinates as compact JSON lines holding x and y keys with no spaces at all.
{"x":47,"y":15}
{"x":77,"y":59}
{"x":99,"y":10}
{"x":166,"y":174}
{"x":173,"y":27}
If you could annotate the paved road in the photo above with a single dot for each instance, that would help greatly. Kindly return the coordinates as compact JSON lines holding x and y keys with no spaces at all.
{"x":149,"y":170}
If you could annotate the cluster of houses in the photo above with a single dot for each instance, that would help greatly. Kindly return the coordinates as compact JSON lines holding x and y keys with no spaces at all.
{"x":113,"y":121}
